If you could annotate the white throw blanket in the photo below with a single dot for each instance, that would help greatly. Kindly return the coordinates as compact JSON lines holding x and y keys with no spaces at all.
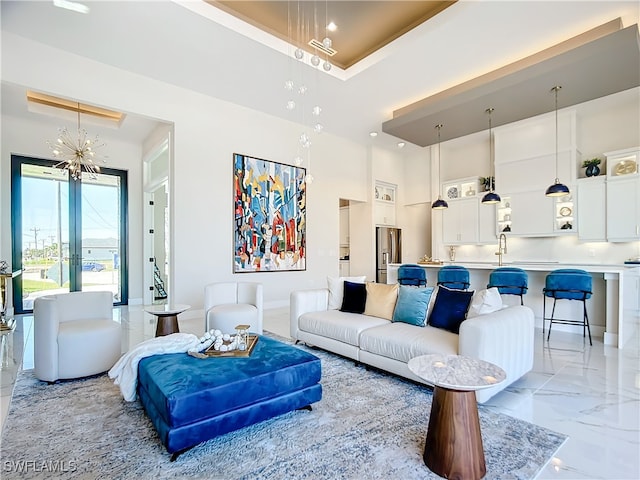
{"x":125,"y":371}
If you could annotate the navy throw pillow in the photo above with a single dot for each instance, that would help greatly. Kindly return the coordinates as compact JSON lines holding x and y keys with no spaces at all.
{"x":354,"y":298}
{"x":450,"y":309}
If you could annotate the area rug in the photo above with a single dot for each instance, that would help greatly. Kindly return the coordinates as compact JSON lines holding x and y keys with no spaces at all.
{"x":368,"y":425}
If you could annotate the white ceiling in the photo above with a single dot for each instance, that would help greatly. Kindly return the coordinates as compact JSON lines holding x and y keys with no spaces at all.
{"x":195,"y":46}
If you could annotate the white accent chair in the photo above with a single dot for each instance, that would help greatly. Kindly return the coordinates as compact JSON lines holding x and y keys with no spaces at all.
{"x":229,"y":304}
{"x":74,"y":335}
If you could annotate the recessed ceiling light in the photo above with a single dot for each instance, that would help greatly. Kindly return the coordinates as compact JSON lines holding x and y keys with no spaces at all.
{"x":332,"y":27}
{"x":73,"y":6}
{"x":373,"y":134}
{"x":401,"y":144}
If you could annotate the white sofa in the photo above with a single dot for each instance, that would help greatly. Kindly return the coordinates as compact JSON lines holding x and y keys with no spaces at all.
{"x":504,"y":337}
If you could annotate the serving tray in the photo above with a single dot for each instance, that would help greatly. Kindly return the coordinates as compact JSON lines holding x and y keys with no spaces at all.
{"x":251,"y":343}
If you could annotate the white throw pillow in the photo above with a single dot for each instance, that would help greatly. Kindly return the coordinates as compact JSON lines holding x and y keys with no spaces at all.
{"x":485,"y":301}
{"x":336,"y":289}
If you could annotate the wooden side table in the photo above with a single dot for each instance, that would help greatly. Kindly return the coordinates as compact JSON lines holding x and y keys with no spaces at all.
{"x":167,"y":317}
{"x":453,"y":447}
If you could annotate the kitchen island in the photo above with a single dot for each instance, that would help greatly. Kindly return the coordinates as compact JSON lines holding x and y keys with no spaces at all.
{"x":614,"y":308}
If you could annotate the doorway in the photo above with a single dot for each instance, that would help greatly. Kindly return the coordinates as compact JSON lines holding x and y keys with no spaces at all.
{"x":67,"y":235}
{"x":345,"y":238}
{"x":157,"y":245}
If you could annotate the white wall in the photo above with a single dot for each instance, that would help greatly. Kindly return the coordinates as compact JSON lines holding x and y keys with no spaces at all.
{"x":417,"y":198}
{"x":207,"y":133}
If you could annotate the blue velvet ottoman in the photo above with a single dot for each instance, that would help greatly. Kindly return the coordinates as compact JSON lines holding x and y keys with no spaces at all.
{"x":191,"y":400}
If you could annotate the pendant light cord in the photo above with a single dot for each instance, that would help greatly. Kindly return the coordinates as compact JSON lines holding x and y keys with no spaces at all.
{"x":555,"y":89}
{"x":439,"y":126}
{"x":491,"y":174}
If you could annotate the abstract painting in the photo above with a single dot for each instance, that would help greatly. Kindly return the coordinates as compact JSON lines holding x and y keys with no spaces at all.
{"x":270,"y":216}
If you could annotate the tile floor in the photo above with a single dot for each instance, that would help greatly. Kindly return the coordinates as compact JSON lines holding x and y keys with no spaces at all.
{"x":591,"y":394}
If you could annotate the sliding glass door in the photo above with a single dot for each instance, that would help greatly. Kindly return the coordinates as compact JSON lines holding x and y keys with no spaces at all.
{"x":67,"y":235}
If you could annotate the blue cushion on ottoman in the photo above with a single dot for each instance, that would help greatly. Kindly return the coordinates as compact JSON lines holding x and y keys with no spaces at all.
{"x":191,"y":400}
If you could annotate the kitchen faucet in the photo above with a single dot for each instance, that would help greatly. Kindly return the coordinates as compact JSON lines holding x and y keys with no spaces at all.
{"x":502,"y":248}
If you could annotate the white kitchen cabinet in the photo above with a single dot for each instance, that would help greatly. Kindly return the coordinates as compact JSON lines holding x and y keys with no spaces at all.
{"x":623,"y":162}
{"x":532,"y":214}
{"x":344,"y":226}
{"x":592,"y":209}
{"x":344,"y":268}
{"x":623,"y":208}
{"x":486,"y":223}
{"x":460,"y":222}
{"x":385,"y":204}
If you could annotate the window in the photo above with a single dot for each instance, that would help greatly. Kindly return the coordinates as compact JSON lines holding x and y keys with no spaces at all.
{"x":67,"y":235}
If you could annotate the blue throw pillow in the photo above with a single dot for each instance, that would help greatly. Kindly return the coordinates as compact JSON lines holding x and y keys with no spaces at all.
{"x":412,"y":305}
{"x":354,"y":298}
{"x":450,"y":309}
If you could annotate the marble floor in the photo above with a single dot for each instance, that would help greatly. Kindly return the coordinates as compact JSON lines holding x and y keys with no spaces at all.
{"x":589,"y":393}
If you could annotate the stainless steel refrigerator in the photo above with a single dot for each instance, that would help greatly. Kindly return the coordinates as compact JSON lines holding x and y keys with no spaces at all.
{"x":388,"y":250}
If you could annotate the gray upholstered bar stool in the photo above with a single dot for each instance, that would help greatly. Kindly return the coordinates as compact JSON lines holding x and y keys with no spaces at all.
{"x":567,"y":284}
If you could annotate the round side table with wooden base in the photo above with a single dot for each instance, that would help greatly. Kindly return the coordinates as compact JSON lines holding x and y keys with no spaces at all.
{"x":167,"y":317}
{"x":454,"y":444}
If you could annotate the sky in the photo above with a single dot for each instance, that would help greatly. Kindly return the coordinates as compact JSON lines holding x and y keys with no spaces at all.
{"x":100,"y":211}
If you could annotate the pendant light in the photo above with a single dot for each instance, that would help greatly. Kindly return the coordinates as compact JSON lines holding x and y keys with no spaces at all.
{"x":439,"y":204}
{"x":78,"y":155}
{"x":491,"y":197}
{"x":557,"y":189}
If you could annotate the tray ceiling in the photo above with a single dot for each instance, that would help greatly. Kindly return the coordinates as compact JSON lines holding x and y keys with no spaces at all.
{"x":600,"y":62}
{"x":363,"y":27}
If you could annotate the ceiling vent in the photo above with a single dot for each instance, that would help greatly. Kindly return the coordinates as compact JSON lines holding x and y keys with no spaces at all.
{"x":319,"y":46}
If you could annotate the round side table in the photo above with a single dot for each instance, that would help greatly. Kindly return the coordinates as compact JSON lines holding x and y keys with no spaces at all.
{"x":453,"y":447}
{"x":167,"y":317}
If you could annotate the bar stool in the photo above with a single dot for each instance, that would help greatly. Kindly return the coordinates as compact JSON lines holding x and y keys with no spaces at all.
{"x":454,"y":276}
{"x":567,"y":284}
{"x":509,"y":281}
{"x":411,"y":274}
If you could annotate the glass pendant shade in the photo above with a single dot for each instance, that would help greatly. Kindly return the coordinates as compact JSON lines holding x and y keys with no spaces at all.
{"x":439,"y":204}
{"x":491,"y":197}
{"x":557,"y":190}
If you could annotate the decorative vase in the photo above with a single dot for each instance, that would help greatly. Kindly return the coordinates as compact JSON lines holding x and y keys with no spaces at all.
{"x":592,"y":171}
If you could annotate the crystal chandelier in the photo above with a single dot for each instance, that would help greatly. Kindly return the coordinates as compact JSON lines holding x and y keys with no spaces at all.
{"x":299,"y":87}
{"x":77,"y":155}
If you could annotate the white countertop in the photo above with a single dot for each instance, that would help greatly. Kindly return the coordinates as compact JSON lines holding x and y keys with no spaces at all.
{"x":536,"y":266}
